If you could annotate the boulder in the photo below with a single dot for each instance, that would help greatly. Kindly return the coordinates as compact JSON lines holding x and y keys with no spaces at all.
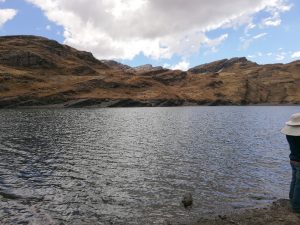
{"x":187,"y":200}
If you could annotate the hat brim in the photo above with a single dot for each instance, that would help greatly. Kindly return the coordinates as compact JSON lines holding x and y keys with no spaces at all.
{"x":290,"y":123}
{"x":291,"y":130}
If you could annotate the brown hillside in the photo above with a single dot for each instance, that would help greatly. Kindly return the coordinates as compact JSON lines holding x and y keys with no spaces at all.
{"x":35,"y":71}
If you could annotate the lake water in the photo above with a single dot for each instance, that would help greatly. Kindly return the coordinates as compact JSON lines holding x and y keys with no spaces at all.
{"x":133,"y":165}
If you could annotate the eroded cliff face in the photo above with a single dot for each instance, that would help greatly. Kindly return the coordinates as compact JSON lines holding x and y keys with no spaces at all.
{"x":35,"y":71}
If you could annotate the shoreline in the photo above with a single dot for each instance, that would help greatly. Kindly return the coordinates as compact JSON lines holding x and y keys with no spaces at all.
{"x":277,"y":213}
{"x":97,"y":106}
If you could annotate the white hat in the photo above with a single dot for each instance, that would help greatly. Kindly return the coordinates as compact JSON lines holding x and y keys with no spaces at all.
{"x":292,"y":126}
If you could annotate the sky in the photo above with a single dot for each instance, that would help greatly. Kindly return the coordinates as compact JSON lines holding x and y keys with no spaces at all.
{"x":176,"y":34}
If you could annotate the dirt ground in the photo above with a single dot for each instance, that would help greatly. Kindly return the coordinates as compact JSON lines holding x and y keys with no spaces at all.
{"x":278,"y":213}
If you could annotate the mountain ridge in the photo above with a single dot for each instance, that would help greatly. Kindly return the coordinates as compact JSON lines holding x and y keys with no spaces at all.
{"x":38,"y":72}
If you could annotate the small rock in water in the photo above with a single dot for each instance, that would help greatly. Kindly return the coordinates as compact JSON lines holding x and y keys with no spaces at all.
{"x":105,"y":200}
{"x":76,"y":213}
{"x":187,"y":200}
{"x":167,"y":222}
{"x":222,"y":217}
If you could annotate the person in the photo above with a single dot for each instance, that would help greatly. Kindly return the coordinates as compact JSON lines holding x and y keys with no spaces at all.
{"x":292,"y":132}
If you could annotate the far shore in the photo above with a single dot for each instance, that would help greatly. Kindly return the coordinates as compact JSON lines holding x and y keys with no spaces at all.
{"x":99,"y":106}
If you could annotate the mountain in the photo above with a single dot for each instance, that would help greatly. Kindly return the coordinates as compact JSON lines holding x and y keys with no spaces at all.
{"x":223,"y":65}
{"x":116,"y":65}
{"x":35,"y":71}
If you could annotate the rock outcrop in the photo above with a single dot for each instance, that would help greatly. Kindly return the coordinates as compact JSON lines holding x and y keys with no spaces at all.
{"x":147,"y":70}
{"x":35,"y":71}
{"x":21,"y":58}
{"x":115,"y":65}
{"x":222,"y":65}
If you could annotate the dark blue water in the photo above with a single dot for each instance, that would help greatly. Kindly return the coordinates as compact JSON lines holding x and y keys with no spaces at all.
{"x":132,"y":166}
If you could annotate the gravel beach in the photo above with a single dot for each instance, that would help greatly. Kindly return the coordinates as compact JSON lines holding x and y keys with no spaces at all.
{"x":278,"y":213}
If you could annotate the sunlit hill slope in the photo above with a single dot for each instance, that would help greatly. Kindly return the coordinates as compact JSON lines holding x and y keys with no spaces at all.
{"x":35,"y":71}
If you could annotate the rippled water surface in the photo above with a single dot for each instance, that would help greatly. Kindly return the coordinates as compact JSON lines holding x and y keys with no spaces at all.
{"x":132,"y":166}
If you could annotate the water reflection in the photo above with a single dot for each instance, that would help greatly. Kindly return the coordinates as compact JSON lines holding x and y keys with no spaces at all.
{"x":132,"y":166}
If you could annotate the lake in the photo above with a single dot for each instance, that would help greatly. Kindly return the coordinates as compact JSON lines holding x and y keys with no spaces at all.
{"x":133,"y":165}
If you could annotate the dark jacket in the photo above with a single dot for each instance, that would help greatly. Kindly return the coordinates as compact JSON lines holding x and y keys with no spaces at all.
{"x":294,"y":142}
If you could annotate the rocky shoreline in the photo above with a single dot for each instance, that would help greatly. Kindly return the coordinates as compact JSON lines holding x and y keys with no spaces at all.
{"x":22,"y":102}
{"x":277,"y":213}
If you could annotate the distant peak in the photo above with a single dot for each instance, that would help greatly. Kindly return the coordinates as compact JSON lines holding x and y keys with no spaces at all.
{"x":238,"y":60}
{"x":24,"y":37}
{"x":147,"y":67}
{"x":115,"y":64}
{"x":220,"y":65}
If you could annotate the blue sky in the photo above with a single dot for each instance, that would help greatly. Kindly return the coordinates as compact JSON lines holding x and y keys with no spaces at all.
{"x":176,"y":38}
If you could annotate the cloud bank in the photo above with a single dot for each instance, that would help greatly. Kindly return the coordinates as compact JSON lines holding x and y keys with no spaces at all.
{"x":160,"y":29}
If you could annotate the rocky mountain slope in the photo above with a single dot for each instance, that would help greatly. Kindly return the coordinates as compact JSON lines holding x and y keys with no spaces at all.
{"x":35,"y":71}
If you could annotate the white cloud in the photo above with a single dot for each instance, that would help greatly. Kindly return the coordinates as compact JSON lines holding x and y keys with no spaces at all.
{"x":158,"y":29}
{"x":296,"y":55}
{"x":275,"y":10}
{"x":247,"y":41}
{"x":48,"y":27}
{"x":167,"y":65}
{"x":271,"y":21}
{"x":259,"y":35}
{"x":256,"y":55}
{"x":280,"y":56}
{"x":6,"y":15}
{"x":251,"y":56}
{"x":249,"y":27}
{"x":213,"y":43}
{"x":183,"y":65}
